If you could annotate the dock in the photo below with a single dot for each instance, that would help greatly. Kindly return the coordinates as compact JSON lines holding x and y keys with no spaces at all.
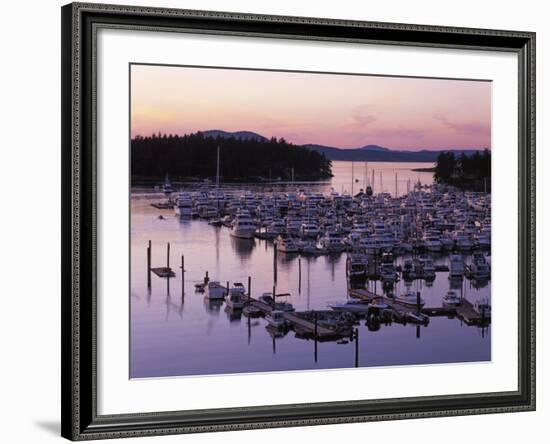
{"x":307,"y":326}
{"x":464,"y":311}
{"x":299,"y":323}
{"x":163,"y":272}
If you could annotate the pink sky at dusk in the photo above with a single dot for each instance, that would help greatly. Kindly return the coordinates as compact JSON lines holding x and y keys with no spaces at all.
{"x":345,"y":111}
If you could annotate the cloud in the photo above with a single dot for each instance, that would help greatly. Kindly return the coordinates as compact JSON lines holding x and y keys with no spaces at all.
{"x":362,"y":117}
{"x":463,"y":128}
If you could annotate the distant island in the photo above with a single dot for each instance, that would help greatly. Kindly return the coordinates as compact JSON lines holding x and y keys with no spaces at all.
{"x":243,"y":156}
{"x":370,"y":153}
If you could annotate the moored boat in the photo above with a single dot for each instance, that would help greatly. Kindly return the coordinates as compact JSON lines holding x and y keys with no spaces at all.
{"x":410,"y":298}
{"x":215,"y":291}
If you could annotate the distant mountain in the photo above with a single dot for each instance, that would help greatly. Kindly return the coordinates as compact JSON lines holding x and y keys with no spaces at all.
{"x":240,"y":135}
{"x":374,"y":148}
{"x":375,"y":153}
{"x":371,"y":153}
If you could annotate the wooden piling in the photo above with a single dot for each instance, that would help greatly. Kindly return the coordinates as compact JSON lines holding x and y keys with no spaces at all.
{"x":356,"y":337}
{"x":182,"y":277}
{"x":149,"y":265}
{"x":299,"y":274}
{"x":275,"y":262}
{"x":315,"y":335}
{"x":249,"y":287}
{"x":316,"y":322}
{"x":168,"y":255}
{"x":418,"y":300}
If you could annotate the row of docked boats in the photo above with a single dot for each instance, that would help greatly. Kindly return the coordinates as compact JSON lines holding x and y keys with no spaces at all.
{"x":236,"y":299}
{"x":435,"y":218}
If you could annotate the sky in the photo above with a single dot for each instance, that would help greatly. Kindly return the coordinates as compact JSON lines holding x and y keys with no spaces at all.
{"x":345,"y":111}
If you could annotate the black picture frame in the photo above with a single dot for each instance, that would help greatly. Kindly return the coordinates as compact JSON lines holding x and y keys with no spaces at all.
{"x":79,"y":208}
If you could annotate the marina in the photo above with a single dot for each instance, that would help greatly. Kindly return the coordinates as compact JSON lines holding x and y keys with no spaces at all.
{"x":289,"y":264}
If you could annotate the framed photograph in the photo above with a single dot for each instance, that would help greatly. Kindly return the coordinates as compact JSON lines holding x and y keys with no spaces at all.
{"x":281,"y":221}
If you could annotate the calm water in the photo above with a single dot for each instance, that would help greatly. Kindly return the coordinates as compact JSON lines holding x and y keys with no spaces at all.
{"x":183,"y":334}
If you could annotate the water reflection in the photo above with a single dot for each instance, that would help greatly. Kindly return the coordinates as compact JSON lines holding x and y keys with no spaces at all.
{"x":242,"y":247}
{"x":176,"y":331}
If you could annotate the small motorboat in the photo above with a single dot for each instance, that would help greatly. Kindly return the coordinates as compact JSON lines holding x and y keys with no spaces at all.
{"x":410,"y":298}
{"x":417,"y":318}
{"x":452,"y":298}
{"x":276,"y":319}
{"x":483,"y":307}
{"x":352,"y":307}
{"x":251,"y":311}
{"x":215,"y":291}
{"x":237,"y":297}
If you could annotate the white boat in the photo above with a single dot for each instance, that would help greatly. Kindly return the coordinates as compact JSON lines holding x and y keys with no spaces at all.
{"x":388,"y":273}
{"x":286,"y":244}
{"x":251,"y":311}
{"x":237,"y":289}
{"x":409,"y":269}
{"x":215,"y":291}
{"x":208,"y":211}
{"x":276,"y":227}
{"x":184,"y":205}
{"x":167,"y":188}
{"x":243,"y":226}
{"x":463,"y":242}
{"x":428,"y":269}
{"x":456,"y":266}
{"x":371,"y":245}
{"x":351,"y":306}
{"x":483,"y":241}
{"x":309,"y":229}
{"x":356,"y":265}
{"x":483,"y":307}
{"x":237,"y":297}
{"x":479,"y":267}
{"x":276,"y":319}
{"x":432,"y":242}
{"x":446,"y":242}
{"x":332,"y":243}
{"x":452,"y":298}
{"x":417,"y":318}
{"x":293,"y":226}
{"x":308,"y":247}
{"x":410,"y":298}
{"x":360,"y":228}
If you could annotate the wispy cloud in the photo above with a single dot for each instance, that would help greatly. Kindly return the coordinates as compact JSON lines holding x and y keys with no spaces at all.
{"x":362,"y":117}
{"x":474,"y":129}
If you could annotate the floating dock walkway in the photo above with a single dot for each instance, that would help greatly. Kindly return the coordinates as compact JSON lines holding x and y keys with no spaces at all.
{"x":464,"y":311}
{"x":298,"y":322}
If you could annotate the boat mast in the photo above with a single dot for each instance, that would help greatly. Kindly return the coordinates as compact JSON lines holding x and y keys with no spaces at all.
{"x":218,"y":168}
{"x":352,"y":177}
{"x":395,"y":184}
{"x":372,"y":180}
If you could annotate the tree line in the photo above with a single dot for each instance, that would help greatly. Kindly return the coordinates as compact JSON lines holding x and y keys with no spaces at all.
{"x":467,"y":172}
{"x":195,"y":156}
